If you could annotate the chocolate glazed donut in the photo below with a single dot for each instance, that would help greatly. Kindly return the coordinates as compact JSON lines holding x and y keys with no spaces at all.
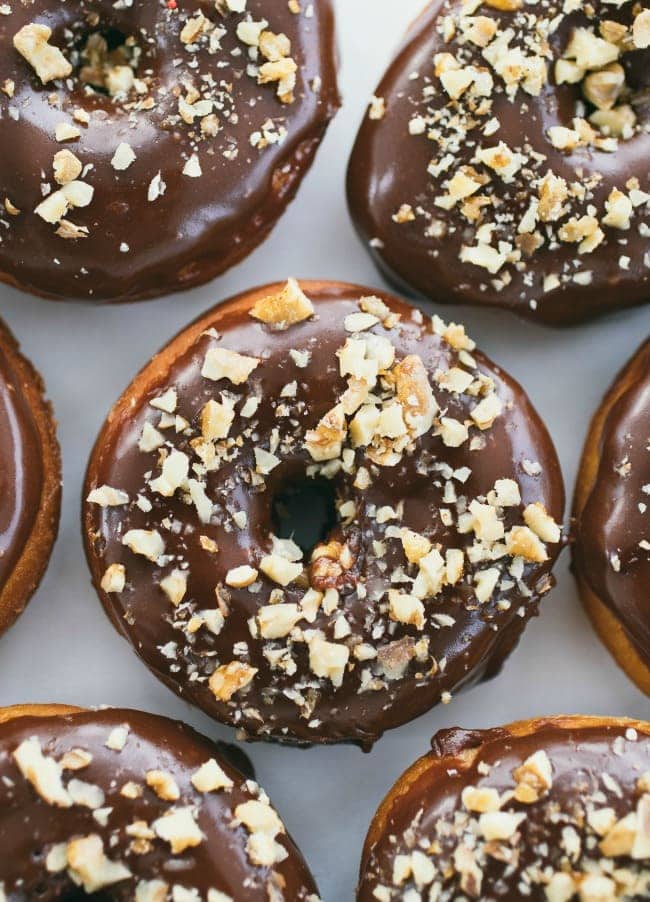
{"x":147,"y":147}
{"x":30,"y":479}
{"x":504,"y":158}
{"x":555,"y":809}
{"x":612,"y":513}
{"x":440,"y":493}
{"x":116,"y":804}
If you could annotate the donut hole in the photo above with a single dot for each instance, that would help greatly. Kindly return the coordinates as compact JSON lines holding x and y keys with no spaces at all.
{"x":304,"y":510}
{"x":607,"y":83}
{"x":107,"y":62}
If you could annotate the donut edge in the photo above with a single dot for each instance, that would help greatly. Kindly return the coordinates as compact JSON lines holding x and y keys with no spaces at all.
{"x":35,"y":556}
{"x":607,"y":625}
{"x":464,"y":756}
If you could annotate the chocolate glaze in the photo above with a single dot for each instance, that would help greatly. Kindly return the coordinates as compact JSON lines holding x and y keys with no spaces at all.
{"x":21,"y":464}
{"x":581,"y":751}
{"x":471,"y":646}
{"x":200,"y":226}
{"x":29,"y":826}
{"x":388,"y":168}
{"x":614,"y":520}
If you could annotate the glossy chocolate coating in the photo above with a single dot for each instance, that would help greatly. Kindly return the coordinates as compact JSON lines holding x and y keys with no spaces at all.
{"x":471,"y":640}
{"x":389,"y":168}
{"x":200,"y":226}
{"x":29,"y":826}
{"x":21,"y":464}
{"x":583,"y":754}
{"x":612,"y":553}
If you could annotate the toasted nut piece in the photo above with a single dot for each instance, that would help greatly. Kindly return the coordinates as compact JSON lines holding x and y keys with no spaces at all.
{"x":618,"y":122}
{"x":277,"y":620}
{"x":291,"y":305}
{"x":240,"y":577}
{"x":88,"y":864}
{"x":542,"y":524}
{"x":496,"y":825}
{"x":522,"y":542}
{"x":603,"y":88}
{"x":220,"y":363}
{"x":231,"y":678}
{"x":163,"y":784}
{"x":47,"y":61}
{"x":114,"y":578}
{"x":481,"y":799}
{"x":641,"y":30}
{"x":210,"y":777}
{"x":175,"y":586}
{"x":67,"y":167}
{"x":279,"y":569}
{"x":328,"y":659}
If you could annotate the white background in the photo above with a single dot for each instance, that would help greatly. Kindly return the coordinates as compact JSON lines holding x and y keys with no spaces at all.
{"x":63,"y":647}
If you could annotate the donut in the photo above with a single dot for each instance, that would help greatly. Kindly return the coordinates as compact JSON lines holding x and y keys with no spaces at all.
{"x":147,"y":147}
{"x":30,"y":479}
{"x":317,"y":512}
{"x":128,"y":805}
{"x":549,"y":809}
{"x":611,"y":553}
{"x":503,"y":161}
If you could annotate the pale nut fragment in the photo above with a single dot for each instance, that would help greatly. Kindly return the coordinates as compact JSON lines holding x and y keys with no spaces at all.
{"x":175,"y":586}
{"x":534,"y":778}
{"x":67,"y":167}
{"x":179,"y":828}
{"x":603,"y":88}
{"x":216,"y":419}
{"x":325,"y":442}
{"x":114,"y":578}
{"x":163,"y":784}
{"x":210,"y":777}
{"x":241,"y":577}
{"x":499,"y":825}
{"x":279,"y":569}
{"x":523,"y":542}
{"x":415,"y":394}
{"x":276,"y":621}
{"x":641,"y":30}
{"x":43,"y":772}
{"x":481,"y":799}
{"x":32,"y":42}
{"x":230,"y":678}
{"x":90,"y":867}
{"x":107,"y":496}
{"x":328,"y":660}
{"x":619,"y":210}
{"x":286,"y":308}
{"x":148,"y":543}
{"x":406,"y":609}
{"x":542,"y":524}
{"x":589,"y":51}
{"x":220,"y":363}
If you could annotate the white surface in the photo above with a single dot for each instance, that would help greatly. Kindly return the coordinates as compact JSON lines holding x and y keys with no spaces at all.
{"x":64,"y":649}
